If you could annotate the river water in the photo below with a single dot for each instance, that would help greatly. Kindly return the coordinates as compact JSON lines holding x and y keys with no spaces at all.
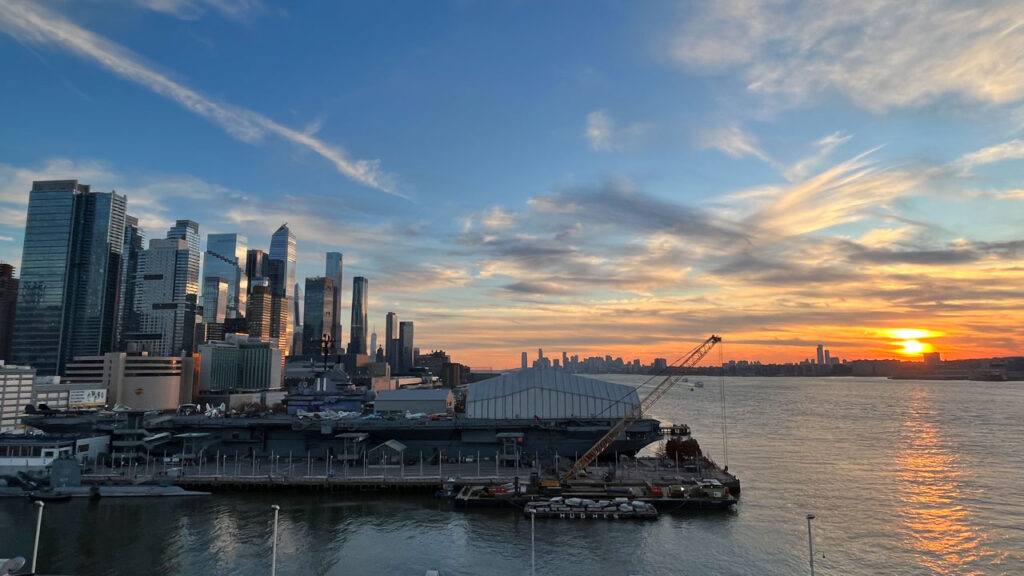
{"x":904,"y":477}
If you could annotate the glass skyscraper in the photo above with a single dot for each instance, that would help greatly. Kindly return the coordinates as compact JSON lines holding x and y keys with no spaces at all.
{"x":70,"y":275}
{"x":319,"y":314}
{"x":188,"y":231}
{"x":334,"y":272}
{"x":225,"y":257}
{"x":131,"y":251}
{"x":360,"y":298}
{"x":281,"y":268}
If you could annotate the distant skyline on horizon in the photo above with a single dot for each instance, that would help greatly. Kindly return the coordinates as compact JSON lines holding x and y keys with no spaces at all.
{"x":594,"y":177}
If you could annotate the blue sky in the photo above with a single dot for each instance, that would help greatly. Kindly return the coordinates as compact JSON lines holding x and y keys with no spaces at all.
{"x":599,"y":177}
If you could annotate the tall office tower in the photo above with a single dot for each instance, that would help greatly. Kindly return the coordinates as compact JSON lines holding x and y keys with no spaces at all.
{"x":540,"y":354}
{"x":319,"y":314}
{"x":282,"y":282}
{"x":523,"y":366}
{"x":565,"y":361}
{"x":8,"y":307}
{"x":360,"y":298}
{"x":373,"y":341}
{"x":166,"y":310}
{"x":216,"y":294}
{"x":334,"y":272}
{"x":407,"y":356}
{"x":70,"y":275}
{"x":259,"y":309}
{"x":392,"y":351}
{"x":256,"y":265}
{"x":131,"y":251}
{"x":226,"y":258}
{"x":188,"y":231}
{"x":297,"y":307}
{"x":821,"y":354}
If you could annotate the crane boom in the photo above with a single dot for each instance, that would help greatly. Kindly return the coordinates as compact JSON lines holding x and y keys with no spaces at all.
{"x":637,"y":412}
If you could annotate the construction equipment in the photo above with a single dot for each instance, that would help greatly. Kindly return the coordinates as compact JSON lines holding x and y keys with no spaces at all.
{"x":637,"y":412}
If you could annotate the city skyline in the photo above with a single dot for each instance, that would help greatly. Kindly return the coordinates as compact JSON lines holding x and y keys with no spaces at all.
{"x":670,"y":173}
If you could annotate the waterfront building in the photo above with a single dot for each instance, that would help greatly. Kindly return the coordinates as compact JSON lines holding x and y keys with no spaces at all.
{"x":360,"y":299}
{"x":319,"y":313}
{"x":406,"y":355}
{"x":391,"y":346}
{"x":138,"y":381}
{"x":334,"y":272}
{"x":131,"y":255}
{"x":57,"y":395}
{"x":226,"y":258}
{"x":15,"y":394}
{"x":239,"y":363}
{"x":70,"y":275}
{"x":166,"y":311}
{"x":8,"y":308}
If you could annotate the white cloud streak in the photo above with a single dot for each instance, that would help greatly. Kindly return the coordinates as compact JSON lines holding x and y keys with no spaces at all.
{"x":604,"y":134}
{"x":881,"y":54}
{"x":734,"y":142}
{"x":194,"y":9}
{"x":33,"y":24}
{"x":1012,"y":150}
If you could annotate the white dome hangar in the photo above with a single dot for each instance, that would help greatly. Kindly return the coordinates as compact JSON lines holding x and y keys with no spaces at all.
{"x":548,"y":393}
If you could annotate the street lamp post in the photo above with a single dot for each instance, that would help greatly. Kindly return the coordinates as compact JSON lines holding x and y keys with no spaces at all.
{"x":39,"y":525}
{"x":810,"y":542}
{"x":273,"y":557}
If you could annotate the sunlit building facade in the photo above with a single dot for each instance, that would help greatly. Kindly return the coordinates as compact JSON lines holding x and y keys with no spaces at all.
{"x":226,"y":258}
{"x":319,"y":314}
{"x":334,"y":272}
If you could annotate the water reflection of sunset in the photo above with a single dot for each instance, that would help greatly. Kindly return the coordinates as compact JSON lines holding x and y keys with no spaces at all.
{"x":936,"y":523}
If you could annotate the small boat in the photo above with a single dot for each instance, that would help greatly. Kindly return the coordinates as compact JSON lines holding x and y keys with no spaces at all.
{"x":48,"y":496}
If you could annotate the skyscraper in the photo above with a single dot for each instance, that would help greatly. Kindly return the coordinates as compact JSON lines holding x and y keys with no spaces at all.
{"x":70,"y":275}
{"x":319,"y":314}
{"x":821,"y":354}
{"x":226,"y":258}
{"x":8,"y":307}
{"x":360,"y":298}
{"x":334,"y":272}
{"x":523,"y":366}
{"x":392,"y":351}
{"x":165,"y":306}
{"x":188,"y":231}
{"x":373,"y":341}
{"x":405,"y":337}
{"x":259,"y":309}
{"x":256,"y":265}
{"x":215,"y":299}
{"x":282,"y":281}
{"x":131,"y":252}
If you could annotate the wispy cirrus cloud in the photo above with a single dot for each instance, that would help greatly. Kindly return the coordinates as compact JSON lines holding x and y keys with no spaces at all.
{"x":33,"y":24}
{"x":605,"y":134}
{"x":881,"y":55}
{"x":1012,"y":150}
{"x":734,"y":142}
{"x":194,"y":9}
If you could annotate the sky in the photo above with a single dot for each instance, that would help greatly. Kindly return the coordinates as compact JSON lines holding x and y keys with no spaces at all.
{"x":595,"y":177}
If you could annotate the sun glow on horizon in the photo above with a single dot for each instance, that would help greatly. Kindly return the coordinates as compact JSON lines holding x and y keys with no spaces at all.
{"x":914,"y":347}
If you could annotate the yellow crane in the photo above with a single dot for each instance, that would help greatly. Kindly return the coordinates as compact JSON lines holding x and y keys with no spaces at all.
{"x":637,"y":412}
